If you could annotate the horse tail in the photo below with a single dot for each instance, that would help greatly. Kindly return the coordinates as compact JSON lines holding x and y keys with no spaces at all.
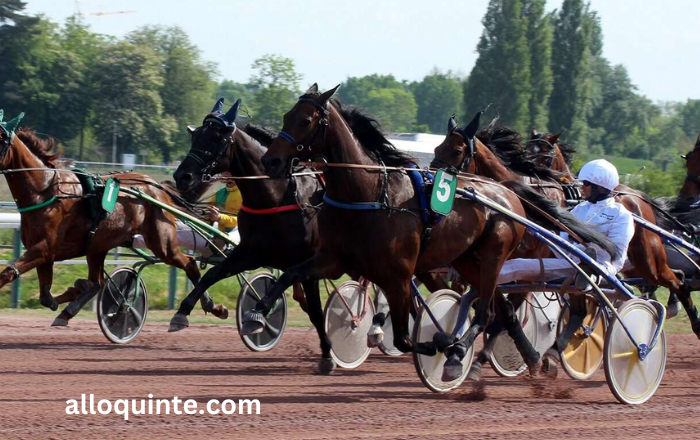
{"x":550,"y":215}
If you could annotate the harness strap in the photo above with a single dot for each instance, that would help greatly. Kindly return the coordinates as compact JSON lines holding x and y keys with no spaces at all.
{"x":355,"y":206}
{"x":38,"y":206}
{"x":274,"y":210}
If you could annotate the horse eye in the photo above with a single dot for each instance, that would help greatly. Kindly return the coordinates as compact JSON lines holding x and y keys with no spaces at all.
{"x":457,"y":153}
{"x":305,"y":122}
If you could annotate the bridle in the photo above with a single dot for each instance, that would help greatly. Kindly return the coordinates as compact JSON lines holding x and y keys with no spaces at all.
{"x":321,"y":127}
{"x":208,"y":159}
{"x":552,"y":152}
{"x":471,"y":155}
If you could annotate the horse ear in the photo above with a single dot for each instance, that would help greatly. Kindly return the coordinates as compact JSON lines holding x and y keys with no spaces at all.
{"x":327,"y":95}
{"x":233,"y":112}
{"x":11,"y":125}
{"x":191,"y":129}
{"x":697,"y":143}
{"x":471,"y":129}
{"x":683,"y":156}
{"x":219,"y":106}
{"x":312,"y":89}
{"x":554,"y":138}
{"x":533,"y":133}
{"x":451,"y":124}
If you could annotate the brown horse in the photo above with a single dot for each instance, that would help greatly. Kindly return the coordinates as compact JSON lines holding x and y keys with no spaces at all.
{"x":382,"y":240}
{"x":58,"y":227}
{"x":646,"y":252}
{"x":497,"y":153}
{"x":690,"y":191}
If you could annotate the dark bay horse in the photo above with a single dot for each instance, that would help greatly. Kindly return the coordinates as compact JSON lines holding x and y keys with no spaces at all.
{"x":497,"y":153}
{"x":279,"y":221}
{"x":690,"y":191}
{"x":646,"y":252}
{"x":57,"y":223}
{"x":382,"y":239}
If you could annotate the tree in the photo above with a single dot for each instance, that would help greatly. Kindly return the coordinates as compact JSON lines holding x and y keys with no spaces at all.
{"x":576,"y":46}
{"x":275,"y":87}
{"x":187,"y":84}
{"x":129,"y":78}
{"x":501,"y":74}
{"x":438,"y":96}
{"x":691,"y":118}
{"x":539,"y":38}
{"x":231,"y":91}
{"x":394,"y":108}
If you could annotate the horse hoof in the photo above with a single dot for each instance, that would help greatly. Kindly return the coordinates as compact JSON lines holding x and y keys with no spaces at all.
{"x":474,"y":372}
{"x":452,"y":370}
{"x":252,"y":328}
{"x":178,"y":322}
{"x":549,"y":364}
{"x":220,"y":311}
{"x":326,"y":366}
{"x":59,"y":322}
{"x":52,"y":304}
{"x":375,"y":336}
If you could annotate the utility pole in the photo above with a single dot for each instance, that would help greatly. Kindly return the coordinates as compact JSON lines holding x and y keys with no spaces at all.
{"x":114,"y":141}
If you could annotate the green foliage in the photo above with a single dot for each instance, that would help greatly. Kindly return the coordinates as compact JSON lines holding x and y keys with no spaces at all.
{"x":539,"y":37}
{"x":438,"y":96}
{"x":130,"y":77}
{"x":187,"y":81}
{"x":502,"y":74}
{"x":691,"y":118}
{"x":275,"y":87}
{"x":576,"y":46}
{"x":383,"y":97}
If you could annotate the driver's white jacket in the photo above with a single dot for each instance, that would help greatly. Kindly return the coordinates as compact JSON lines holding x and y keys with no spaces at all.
{"x":607,"y":217}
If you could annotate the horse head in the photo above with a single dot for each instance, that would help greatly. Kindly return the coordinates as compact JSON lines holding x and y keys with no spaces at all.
{"x":303,"y":132}
{"x":459,"y":147}
{"x":210,"y":141}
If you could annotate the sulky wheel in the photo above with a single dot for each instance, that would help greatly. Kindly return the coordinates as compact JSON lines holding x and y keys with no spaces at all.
{"x":547,"y":311}
{"x":505,"y":358}
{"x":276,"y":318}
{"x":444,"y":304}
{"x":121,"y":311}
{"x":631,"y":379}
{"x":583,"y":355}
{"x":387,"y":345}
{"x":348,"y":317}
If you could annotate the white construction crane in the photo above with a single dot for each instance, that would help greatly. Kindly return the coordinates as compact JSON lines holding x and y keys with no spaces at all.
{"x":98,"y":14}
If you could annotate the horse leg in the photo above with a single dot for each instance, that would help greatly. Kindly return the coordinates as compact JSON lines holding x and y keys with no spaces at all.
{"x":690,"y":309}
{"x":432,"y":281}
{"x":299,"y":296}
{"x":493,"y":330}
{"x":515,"y":331}
{"x":35,"y":256}
{"x":89,"y":289}
{"x":321,"y":265}
{"x":239,"y":260}
{"x":315,"y":312}
{"x":577,"y":313}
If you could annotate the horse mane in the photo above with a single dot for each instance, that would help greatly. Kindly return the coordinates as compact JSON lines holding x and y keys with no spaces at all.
{"x":40,"y":147}
{"x":370,"y":134}
{"x":506,"y":144}
{"x":264,"y":135}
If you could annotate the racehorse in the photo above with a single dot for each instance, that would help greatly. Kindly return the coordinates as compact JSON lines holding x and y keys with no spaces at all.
{"x":278,"y":222}
{"x":690,"y":191}
{"x":371,"y":223}
{"x":56,"y":222}
{"x":646,"y":253}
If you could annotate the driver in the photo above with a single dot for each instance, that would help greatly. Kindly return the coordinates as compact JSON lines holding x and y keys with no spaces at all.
{"x":601,"y":212}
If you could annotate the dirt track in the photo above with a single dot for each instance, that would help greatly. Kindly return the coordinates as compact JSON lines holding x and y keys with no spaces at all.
{"x":42,"y":367}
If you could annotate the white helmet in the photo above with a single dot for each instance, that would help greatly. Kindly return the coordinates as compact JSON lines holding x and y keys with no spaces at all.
{"x":600,"y":172}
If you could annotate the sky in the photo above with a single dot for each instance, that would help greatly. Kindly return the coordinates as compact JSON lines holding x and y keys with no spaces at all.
{"x":330,"y":40}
